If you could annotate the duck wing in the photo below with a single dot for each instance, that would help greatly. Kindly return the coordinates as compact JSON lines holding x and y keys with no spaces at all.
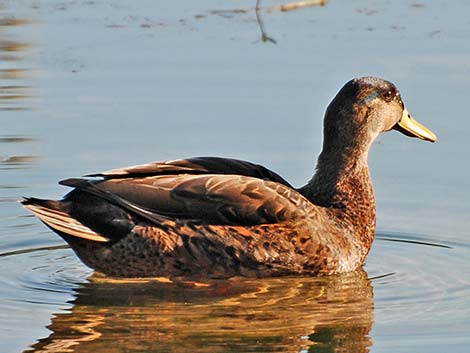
{"x":198,"y":165}
{"x":215,"y":199}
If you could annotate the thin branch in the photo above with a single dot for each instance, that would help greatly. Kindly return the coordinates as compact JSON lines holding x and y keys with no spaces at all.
{"x":298,"y":5}
{"x":264,"y":36}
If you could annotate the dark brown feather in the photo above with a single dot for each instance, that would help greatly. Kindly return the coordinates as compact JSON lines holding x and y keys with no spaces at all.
{"x":209,"y":198}
{"x":197,"y":165}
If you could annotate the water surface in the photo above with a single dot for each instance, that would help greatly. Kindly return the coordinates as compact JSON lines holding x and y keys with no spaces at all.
{"x":93,"y":85}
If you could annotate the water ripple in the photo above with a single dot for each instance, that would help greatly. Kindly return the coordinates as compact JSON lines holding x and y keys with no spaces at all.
{"x":434,"y":276}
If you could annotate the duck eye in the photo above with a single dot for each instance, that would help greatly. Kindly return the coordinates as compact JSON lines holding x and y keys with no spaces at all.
{"x":388,"y":95}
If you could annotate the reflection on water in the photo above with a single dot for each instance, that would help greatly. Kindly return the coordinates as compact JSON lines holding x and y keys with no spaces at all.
{"x":14,"y":161}
{"x":331,"y":314}
{"x":17,"y":160}
{"x":15,"y":139}
{"x":14,"y":90}
{"x":296,"y":314}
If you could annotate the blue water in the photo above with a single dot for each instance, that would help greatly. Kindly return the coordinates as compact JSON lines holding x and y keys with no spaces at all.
{"x":87,"y":86}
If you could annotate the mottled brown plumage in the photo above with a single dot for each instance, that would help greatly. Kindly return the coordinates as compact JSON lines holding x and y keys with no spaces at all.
{"x":212,"y":217}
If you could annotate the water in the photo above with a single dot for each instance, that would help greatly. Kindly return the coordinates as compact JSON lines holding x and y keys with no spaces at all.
{"x":87,"y":86}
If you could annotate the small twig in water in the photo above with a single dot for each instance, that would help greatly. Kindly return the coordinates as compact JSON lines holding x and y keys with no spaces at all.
{"x":298,"y":5}
{"x":264,"y":37}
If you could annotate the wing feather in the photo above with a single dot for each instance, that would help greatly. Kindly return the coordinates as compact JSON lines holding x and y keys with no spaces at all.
{"x":198,"y":165}
{"x":208,"y":198}
{"x":63,"y":222}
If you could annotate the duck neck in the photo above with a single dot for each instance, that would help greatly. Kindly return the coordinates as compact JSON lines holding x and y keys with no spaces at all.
{"x":342,"y":184}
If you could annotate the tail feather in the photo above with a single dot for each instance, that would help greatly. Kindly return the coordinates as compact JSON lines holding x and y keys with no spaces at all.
{"x":49,"y":212}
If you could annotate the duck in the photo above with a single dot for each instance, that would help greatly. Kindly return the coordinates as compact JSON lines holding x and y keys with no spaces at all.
{"x":214,"y":217}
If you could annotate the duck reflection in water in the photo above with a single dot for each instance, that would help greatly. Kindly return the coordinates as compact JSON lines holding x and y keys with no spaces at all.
{"x":290,"y":314}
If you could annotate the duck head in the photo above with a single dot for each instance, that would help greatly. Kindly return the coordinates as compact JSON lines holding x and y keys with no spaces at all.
{"x":364,"y":108}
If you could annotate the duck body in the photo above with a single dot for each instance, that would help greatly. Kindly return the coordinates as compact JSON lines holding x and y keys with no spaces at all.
{"x":212,"y":217}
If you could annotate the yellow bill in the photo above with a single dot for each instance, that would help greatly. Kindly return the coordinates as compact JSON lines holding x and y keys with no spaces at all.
{"x":410,"y":127}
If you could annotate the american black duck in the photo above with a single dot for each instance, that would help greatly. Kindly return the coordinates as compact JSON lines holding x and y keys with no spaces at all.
{"x":212,"y":217}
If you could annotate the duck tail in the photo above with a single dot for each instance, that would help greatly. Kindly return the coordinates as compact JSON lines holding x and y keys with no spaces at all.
{"x":52,"y":214}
